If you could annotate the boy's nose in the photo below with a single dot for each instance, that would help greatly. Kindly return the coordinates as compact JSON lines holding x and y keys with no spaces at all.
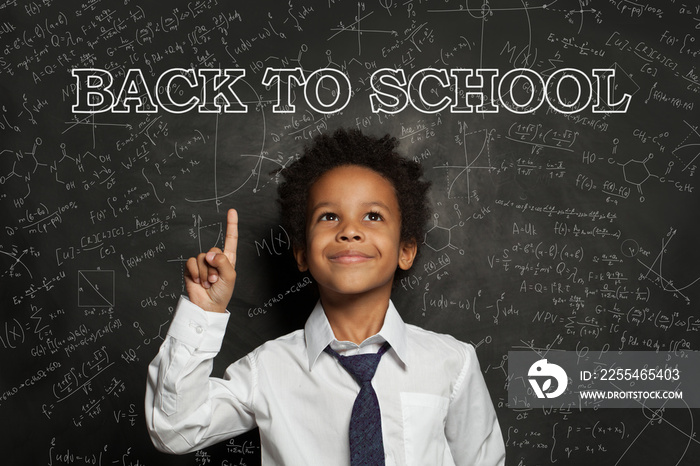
{"x":350,"y":232}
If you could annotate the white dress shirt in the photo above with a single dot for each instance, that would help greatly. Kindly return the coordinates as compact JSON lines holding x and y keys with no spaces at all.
{"x":435,"y":406}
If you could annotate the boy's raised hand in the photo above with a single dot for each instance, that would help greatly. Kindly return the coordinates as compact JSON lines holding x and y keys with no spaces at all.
{"x":211,"y":276}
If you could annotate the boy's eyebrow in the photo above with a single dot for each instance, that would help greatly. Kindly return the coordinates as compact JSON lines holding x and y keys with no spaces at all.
{"x":376,"y":203}
{"x":364,"y":204}
{"x":322,"y":204}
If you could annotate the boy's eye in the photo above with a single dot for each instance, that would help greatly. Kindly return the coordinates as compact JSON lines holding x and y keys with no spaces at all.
{"x":373,"y":216}
{"x":328,"y":217}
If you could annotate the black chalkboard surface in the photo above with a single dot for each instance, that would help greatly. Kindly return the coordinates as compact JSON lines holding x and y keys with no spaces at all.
{"x":551,"y":230}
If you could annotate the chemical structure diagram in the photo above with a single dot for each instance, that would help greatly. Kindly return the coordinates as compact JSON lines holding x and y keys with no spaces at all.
{"x":680,"y":169}
{"x":439,"y":237}
{"x":636,"y":173}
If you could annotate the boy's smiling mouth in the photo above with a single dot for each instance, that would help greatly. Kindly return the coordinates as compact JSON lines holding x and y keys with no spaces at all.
{"x":349,"y":256}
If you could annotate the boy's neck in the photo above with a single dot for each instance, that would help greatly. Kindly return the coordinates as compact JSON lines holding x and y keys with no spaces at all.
{"x":355,"y":318}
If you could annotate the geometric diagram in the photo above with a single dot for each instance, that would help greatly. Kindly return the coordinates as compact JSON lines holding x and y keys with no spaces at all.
{"x":17,"y":260}
{"x":208,"y":241}
{"x":693,"y":150}
{"x":657,"y":272}
{"x":689,"y":147}
{"x":463,"y":189}
{"x":260,"y":157}
{"x":356,"y":27}
{"x":96,"y":288}
{"x":636,"y":172}
{"x":629,"y":248}
{"x":656,"y":417}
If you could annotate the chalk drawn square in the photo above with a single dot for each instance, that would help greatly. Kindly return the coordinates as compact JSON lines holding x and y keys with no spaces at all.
{"x":96,"y":288}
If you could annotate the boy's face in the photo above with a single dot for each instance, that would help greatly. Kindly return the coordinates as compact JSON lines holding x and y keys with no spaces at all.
{"x":353,"y":228}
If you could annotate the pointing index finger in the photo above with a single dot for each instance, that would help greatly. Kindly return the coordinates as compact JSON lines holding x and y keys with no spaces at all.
{"x":231,"y":241}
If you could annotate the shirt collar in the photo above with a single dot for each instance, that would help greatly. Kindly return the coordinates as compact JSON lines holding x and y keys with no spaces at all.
{"x":318,"y":333}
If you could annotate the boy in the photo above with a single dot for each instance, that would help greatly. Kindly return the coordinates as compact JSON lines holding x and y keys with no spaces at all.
{"x":354,"y":210}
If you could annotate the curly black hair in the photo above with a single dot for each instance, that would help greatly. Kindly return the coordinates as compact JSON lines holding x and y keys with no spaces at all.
{"x":352,"y":147}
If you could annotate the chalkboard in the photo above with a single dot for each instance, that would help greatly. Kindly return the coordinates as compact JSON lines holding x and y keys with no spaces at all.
{"x":556,"y":224}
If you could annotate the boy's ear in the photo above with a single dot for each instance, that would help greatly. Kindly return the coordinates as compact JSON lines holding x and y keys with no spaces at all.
{"x":407,"y":253}
{"x":300,"y":256}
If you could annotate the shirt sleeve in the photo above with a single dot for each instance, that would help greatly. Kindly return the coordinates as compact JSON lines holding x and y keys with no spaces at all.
{"x":186,"y":408}
{"x":472,"y":429}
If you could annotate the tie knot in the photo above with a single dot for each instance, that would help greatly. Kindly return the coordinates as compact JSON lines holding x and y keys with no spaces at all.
{"x":360,"y":366}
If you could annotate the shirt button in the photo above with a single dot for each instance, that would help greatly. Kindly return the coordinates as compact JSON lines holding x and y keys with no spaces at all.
{"x":197,"y":328}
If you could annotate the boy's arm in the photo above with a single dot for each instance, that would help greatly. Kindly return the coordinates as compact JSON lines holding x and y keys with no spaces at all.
{"x":185,"y":408}
{"x":472,"y":429}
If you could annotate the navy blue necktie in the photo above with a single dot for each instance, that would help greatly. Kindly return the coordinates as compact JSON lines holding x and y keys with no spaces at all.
{"x":366,"y":445}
